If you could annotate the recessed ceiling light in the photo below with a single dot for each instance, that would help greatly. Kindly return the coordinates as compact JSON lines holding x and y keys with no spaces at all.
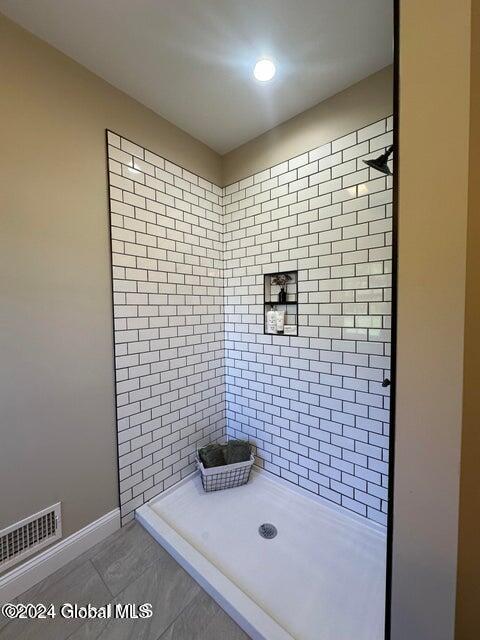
{"x":264,"y":70}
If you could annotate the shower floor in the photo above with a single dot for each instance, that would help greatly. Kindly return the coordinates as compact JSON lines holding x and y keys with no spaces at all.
{"x":321,"y":578}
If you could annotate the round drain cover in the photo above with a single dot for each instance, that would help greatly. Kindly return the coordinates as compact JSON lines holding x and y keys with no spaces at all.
{"x":267,"y":530}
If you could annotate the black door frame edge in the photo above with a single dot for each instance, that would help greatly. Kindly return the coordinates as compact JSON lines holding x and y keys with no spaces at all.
{"x":393,"y":365}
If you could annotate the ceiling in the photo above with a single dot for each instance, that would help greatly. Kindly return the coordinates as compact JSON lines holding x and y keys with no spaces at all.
{"x":191,"y":60}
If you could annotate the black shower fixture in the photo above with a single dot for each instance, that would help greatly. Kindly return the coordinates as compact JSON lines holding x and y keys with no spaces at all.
{"x":381,"y":163}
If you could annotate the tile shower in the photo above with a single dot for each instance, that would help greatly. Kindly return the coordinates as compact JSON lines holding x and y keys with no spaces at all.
{"x":192,"y":361}
{"x":167,"y":269}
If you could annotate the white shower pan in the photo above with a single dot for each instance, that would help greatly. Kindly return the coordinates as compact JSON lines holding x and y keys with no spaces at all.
{"x":321,"y":578}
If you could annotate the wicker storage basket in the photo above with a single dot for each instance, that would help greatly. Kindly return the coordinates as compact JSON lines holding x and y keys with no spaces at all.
{"x":226,"y":476}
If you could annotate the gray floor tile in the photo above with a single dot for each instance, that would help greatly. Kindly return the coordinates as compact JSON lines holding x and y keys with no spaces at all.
{"x":125,"y":556}
{"x":203,"y":619}
{"x":192,"y":621}
{"x":82,"y":585}
{"x":34,"y":593}
{"x":167,"y":587}
{"x":222,"y":627}
{"x":136,"y":569}
{"x":104,"y":545}
{"x":90,"y":630}
{"x":4,"y":621}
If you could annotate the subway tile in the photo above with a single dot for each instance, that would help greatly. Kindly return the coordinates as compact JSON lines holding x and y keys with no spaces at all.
{"x":271,"y":390}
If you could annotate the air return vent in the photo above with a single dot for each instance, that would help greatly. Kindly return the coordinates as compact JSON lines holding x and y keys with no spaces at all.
{"x":20,"y":540}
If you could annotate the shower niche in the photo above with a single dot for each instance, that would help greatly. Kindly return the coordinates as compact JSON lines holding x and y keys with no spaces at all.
{"x":280,"y":295}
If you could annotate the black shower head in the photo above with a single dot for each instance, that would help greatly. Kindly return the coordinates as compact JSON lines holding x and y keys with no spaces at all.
{"x":381,"y":163}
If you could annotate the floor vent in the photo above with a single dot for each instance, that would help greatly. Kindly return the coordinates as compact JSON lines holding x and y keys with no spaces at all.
{"x":20,"y":540}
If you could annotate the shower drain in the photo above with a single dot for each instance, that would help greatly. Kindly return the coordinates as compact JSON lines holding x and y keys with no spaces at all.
{"x":267,"y":530}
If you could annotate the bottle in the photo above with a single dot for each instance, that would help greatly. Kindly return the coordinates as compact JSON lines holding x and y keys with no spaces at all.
{"x":280,"y":321}
{"x":272,"y":321}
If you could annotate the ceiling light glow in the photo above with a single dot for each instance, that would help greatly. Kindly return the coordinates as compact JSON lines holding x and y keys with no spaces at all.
{"x":264,"y":70}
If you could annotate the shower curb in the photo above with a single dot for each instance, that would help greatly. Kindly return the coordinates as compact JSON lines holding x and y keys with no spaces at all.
{"x":240,"y":607}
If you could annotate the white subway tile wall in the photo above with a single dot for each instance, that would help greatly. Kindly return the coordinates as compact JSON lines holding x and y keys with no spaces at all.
{"x":167,"y":262}
{"x":192,"y":361}
{"x":314,"y":405}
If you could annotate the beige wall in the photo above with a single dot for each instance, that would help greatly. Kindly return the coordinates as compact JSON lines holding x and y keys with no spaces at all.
{"x":359,"y":105}
{"x":57,"y":439}
{"x":468,"y":579}
{"x":434,"y":123}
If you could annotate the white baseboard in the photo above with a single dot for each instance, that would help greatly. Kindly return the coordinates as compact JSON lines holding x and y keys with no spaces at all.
{"x":32,"y":571}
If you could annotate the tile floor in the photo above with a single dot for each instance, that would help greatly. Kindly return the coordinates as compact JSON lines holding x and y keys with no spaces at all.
{"x":129,"y":566}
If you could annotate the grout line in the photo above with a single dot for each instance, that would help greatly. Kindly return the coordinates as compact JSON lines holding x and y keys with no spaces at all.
{"x":101,"y":578}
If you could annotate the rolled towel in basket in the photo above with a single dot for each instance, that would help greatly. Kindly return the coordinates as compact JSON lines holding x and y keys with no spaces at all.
{"x":237,"y":451}
{"x":212,"y":455}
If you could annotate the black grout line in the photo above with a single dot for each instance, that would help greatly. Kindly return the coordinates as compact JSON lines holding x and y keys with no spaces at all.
{"x":166,"y":160}
{"x":308,"y":152}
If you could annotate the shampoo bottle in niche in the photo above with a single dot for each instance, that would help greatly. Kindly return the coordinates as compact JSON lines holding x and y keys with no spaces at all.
{"x":280,"y":321}
{"x":272,"y":321}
